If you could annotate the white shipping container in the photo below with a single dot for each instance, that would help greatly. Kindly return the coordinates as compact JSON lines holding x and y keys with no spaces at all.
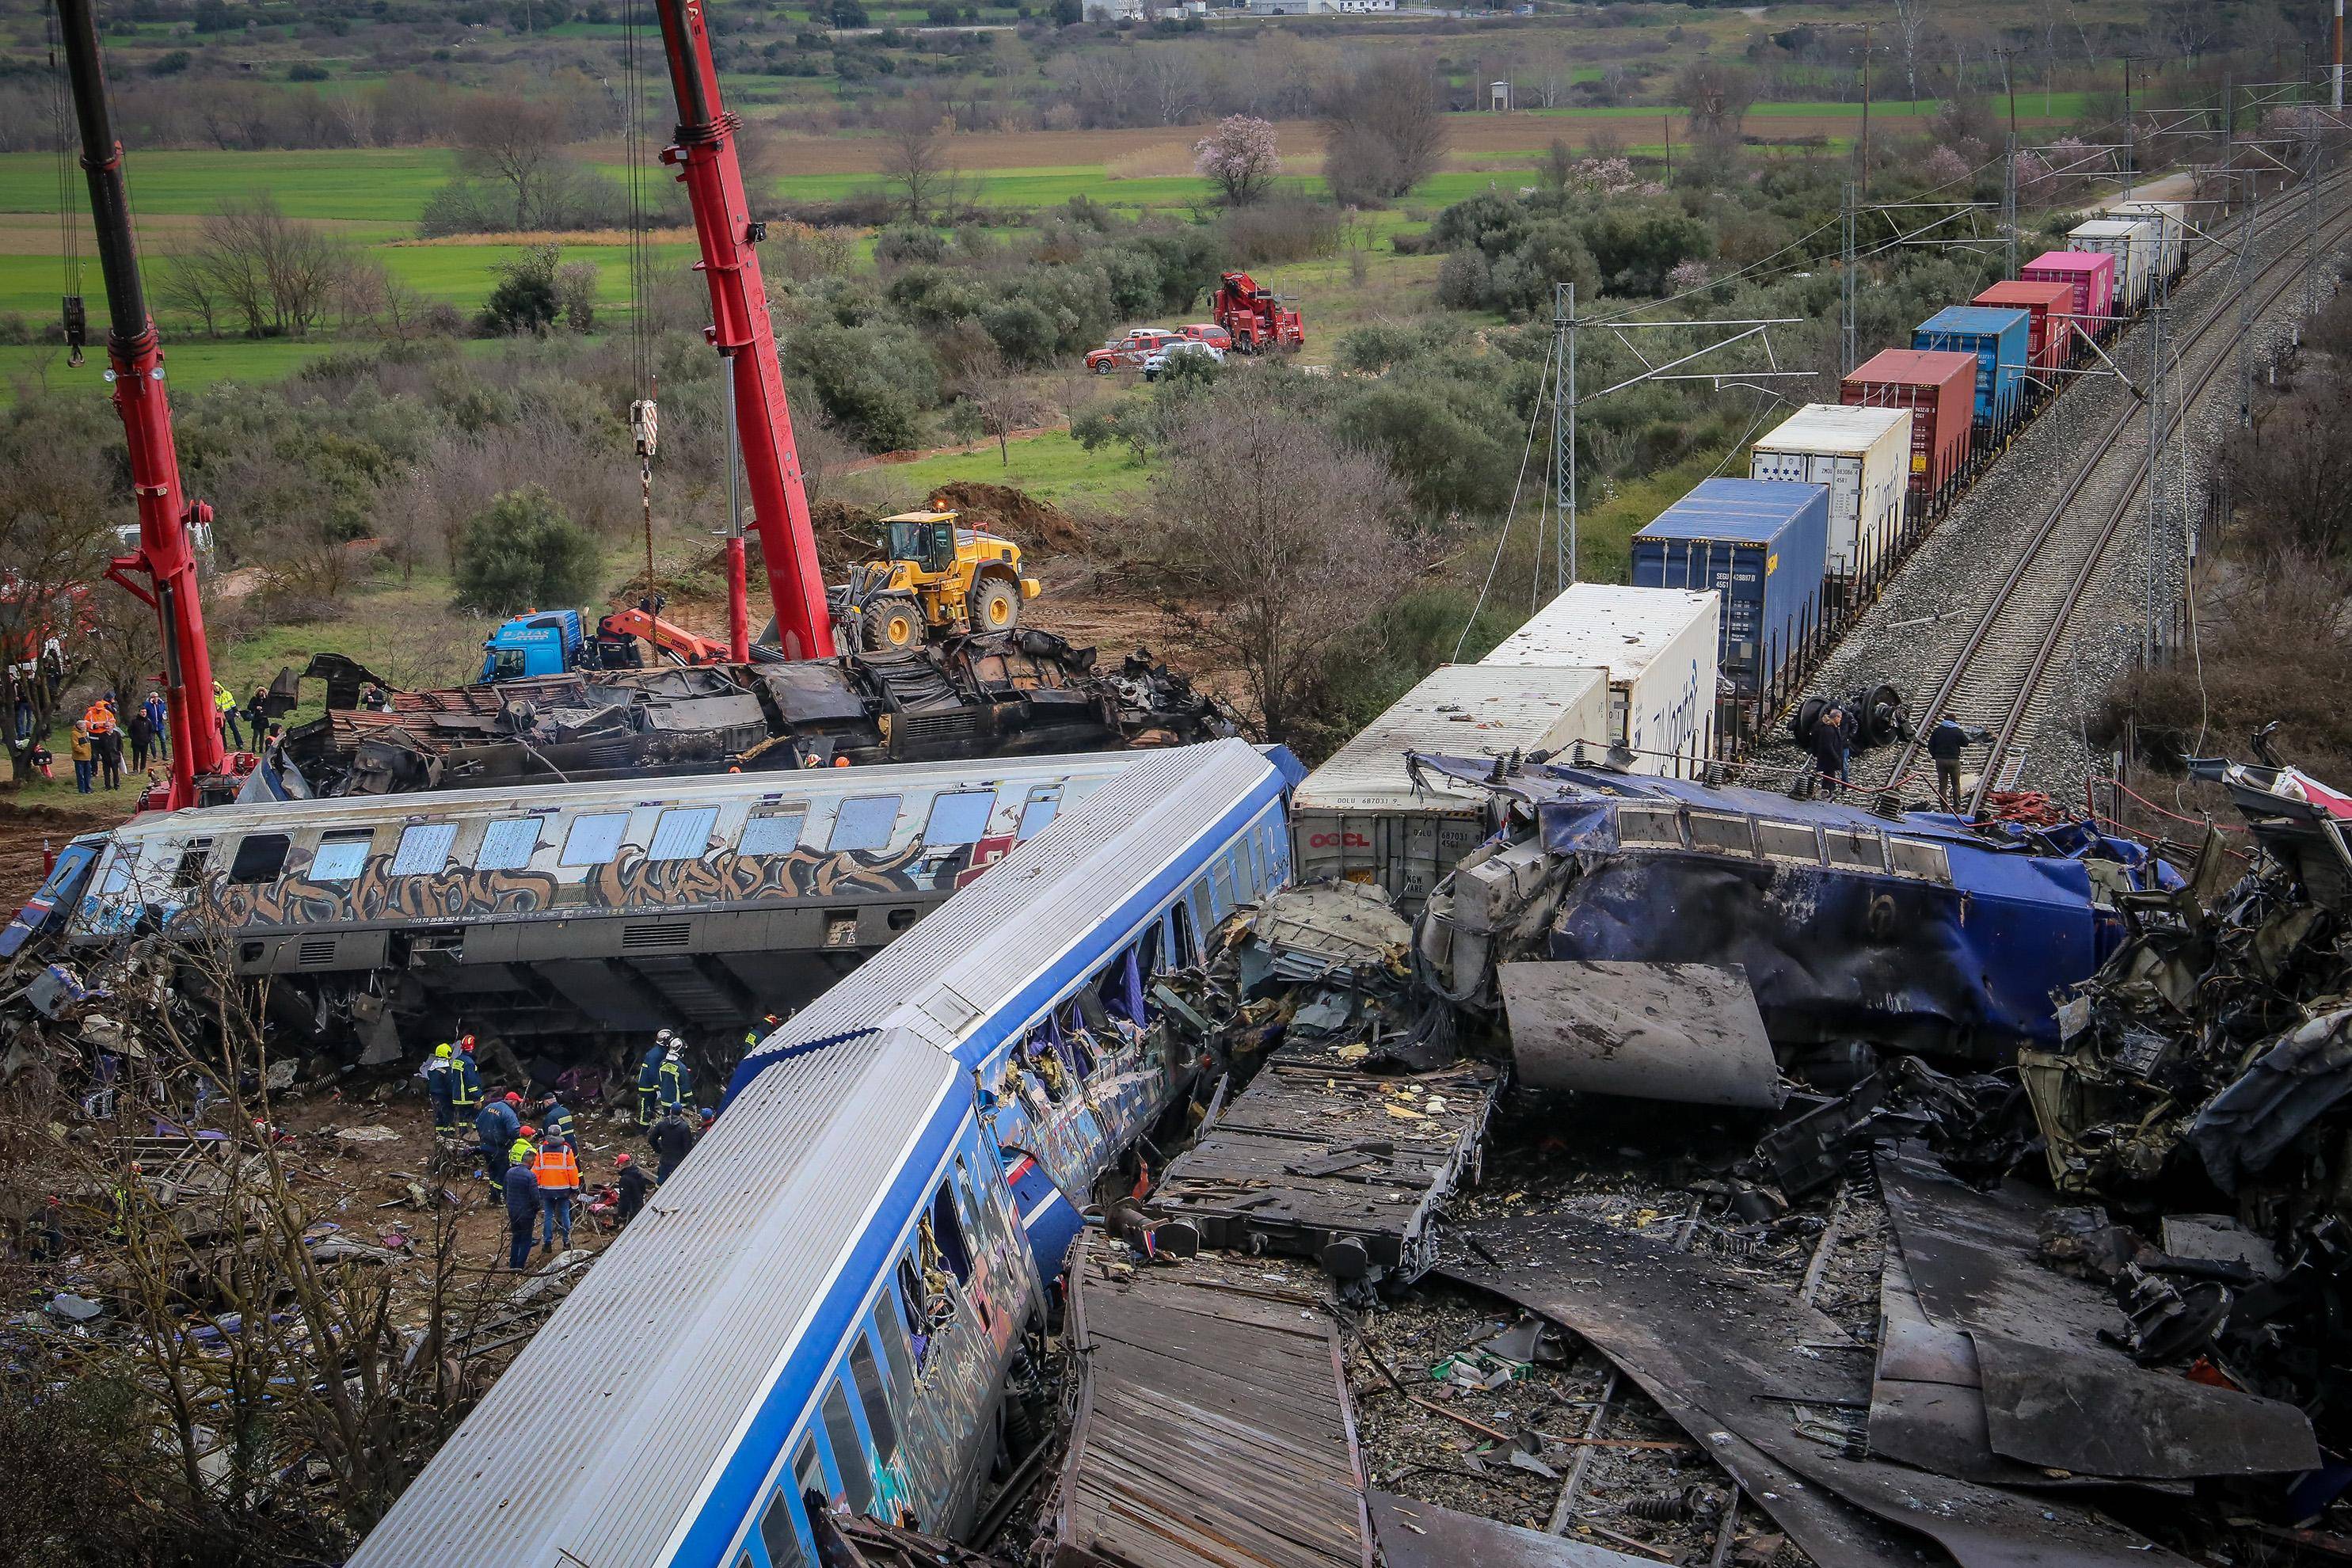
{"x":1659,"y":646}
{"x":1360,"y":815}
{"x":2133,"y":243}
{"x":2171,"y":220}
{"x":1864,"y":456}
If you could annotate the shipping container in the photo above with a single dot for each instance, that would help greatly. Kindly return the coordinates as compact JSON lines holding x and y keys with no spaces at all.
{"x":1864,"y":455}
{"x":1998,"y":337}
{"x":1941,"y":390}
{"x":2134,"y":243}
{"x":2049,"y":311}
{"x":1658,"y":646}
{"x":2092,"y":275}
{"x":2171,"y":220}
{"x":1361,"y":817}
{"x":1765,"y":548}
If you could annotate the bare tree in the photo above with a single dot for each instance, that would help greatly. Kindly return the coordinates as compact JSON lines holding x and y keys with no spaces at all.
{"x":1911,"y":21}
{"x":1268,"y":577}
{"x":1717,"y":97}
{"x":1176,"y":82}
{"x":914,"y":158}
{"x":56,"y":537}
{"x":518,"y":143}
{"x":1382,"y":131}
{"x":986,"y":382}
{"x":281,"y":275}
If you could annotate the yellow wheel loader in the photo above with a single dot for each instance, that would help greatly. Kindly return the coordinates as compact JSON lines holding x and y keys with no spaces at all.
{"x":934,"y":580}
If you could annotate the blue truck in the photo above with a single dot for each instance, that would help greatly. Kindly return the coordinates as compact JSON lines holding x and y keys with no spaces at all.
{"x":2001,"y":338}
{"x":544,"y":642}
{"x":1761,"y":543}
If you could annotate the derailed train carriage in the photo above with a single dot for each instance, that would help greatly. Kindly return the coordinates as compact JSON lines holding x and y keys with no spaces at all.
{"x":824,"y":1303}
{"x":557,"y":913}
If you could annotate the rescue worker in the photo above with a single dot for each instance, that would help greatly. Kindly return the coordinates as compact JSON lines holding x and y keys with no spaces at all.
{"x":496,"y":1125}
{"x":556,"y":1117}
{"x":524,"y":1150}
{"x":752,"y":1036}
{"x":521,"y":1189}
{"x":673,"y":1140}
{"x":224,"y":712}
{"x":85,"y":757}
{"x":676,"y":1084}
{"x":1830,"y":749}
{"x":649,"y":1076}
{"x":158,"y":717}
{"x":633,"y":1184}
{"x":1945,"y":742}
{"x":441,"y":1084}
{"x":466,"y":1080}
{"x":557,"y":1170}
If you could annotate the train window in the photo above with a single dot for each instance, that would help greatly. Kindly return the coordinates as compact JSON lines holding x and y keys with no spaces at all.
{"x":1204,"y":913}
{"x":594,"y":838}
{"x":340,"y":858}
{"x":1721,"y":830}
{"x":1788,"y":841}
{"x":507,"y":844}
{"x":779,"y":1534}
{"x":1859,"y":849}
{"x":1037,"y":811}
{"x":808,"y":1470}
{"x":188,"y":870}
{"x":848,"y":1453}
{"x":1656,"y":825}
{"x":1916,"y":859}
{"x":1254,"y":839}
{"x":864,"y":822}
{"x":890,"y":1328}
{"x":947,"y":1234}
{"x":960,"y":817}
{"x":259,"y":857}
{"x":424,"y":848}
{"x":683,"y":833}
{"x":772,"y":832}
{"x":1183,"y":947}
{"x":867,"y":1372}
{"x":1245,"y":882}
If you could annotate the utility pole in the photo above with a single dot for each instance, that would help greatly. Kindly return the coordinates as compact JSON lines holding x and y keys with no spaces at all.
{"x":2336,"y":72}
{"x":2152,"y":471}
{"x":1848,"y":339}
{"x":2008,"y":167}
{"x":1669,"y":122}
{"x":1563,"y":434}
{"x":2311,"y":226}
{"x":1865,"y":110}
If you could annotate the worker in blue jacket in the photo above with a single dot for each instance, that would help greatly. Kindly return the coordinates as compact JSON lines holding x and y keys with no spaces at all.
{"x":522,"y":1188}
{"x":466,"y":1089}
{"x":649,"y":1075}
{"x":497,"y":1124}
{"x":555,"y":1122}
{"x":676,"y":1091}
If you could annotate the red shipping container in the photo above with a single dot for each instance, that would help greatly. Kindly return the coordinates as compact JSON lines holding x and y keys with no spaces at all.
{"x":2090,"y":273}
{"x":1940,"y":390}
{"x":2051,"y":306}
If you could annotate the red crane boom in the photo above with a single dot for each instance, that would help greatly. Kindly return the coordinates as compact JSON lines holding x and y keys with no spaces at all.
{"x":704,"y":154}
{"x":134,"y":355}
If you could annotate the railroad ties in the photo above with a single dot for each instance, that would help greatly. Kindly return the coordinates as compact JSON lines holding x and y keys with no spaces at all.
{"x":1213,"y":1427}
{"x":1320,"y":1159}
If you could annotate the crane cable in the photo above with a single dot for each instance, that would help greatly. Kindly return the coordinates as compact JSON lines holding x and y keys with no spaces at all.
{"x":77,"y":316}
{"x":644,"y":420}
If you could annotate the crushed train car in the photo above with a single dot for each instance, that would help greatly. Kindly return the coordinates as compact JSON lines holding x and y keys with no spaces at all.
{"x":1001,"y":694}
{"x":1914,"y":931}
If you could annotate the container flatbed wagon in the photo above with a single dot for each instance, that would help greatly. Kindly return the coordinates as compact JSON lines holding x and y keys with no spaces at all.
{"x":1939,"y":389}
{"x":1999,"y":339}
{"x":2171,"y":220}
{"x":1864,"y":456}
{"x":1763,"y":546}
{"x":1658,"y":646}
{"x":2135,"y":243}
{"x":2047,"y":339}
{"x":1364,"y":817}
{"x":2091,"y":274}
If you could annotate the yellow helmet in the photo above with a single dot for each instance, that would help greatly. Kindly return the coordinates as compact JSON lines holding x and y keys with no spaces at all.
{"x":442,"y":1050}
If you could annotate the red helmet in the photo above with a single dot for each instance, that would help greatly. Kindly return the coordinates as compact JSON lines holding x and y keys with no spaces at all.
{"x":529,"y":1131}
{"x":465,"y":1042}
{"x":513,"y":1099}
{"x":620,"y":1161}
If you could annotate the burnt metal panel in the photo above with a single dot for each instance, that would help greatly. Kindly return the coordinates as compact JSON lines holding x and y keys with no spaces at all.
{"x":1684,"y":1032}
{"x":2037,"y":1335}
{"x":1417,"y":1535}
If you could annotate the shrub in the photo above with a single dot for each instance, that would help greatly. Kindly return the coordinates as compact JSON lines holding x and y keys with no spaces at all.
{"x":910,"y":242}
{"x":1274,"y":230}
{"x":873,"y":381}
{"x":522,"y":552}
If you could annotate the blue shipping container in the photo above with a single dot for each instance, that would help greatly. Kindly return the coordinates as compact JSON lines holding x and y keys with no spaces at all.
{"x":1998,"y":336}
{"x":1763,"y":545}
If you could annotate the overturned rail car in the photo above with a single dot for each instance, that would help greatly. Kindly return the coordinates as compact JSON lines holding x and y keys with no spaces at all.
{"x":563,"y":910}
{"x":1022,"y":693}
{"x":1915,"y":931}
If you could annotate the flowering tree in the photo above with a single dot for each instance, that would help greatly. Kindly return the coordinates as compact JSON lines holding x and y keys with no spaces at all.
{"x":1240,"y":156}
{"x":1943,"y":168}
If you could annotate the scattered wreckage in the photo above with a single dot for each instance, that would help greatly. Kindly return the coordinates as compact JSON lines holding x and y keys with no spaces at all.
{"x":996,"y":694}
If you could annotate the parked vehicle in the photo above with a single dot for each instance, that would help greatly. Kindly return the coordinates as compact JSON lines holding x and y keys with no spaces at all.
{"x":1183,"y":348}
{"x":1256,"y":317}
{"x":1208,"y":333}
{"x":1129,"y":351}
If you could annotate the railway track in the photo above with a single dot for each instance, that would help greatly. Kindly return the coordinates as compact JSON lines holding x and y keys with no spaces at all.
{"x":1997,"y":673}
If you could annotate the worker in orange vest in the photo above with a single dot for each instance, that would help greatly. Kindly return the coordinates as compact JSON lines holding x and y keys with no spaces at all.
{"x":556,"y":1168}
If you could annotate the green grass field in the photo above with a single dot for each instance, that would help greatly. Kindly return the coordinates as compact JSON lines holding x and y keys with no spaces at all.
{"x":1050,"y":465}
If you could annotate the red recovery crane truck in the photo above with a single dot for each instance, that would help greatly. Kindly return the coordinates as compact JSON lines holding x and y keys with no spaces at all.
{"x":704,"y":157}
{"x":162,"y":570}
{"x":1254,"y":317}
